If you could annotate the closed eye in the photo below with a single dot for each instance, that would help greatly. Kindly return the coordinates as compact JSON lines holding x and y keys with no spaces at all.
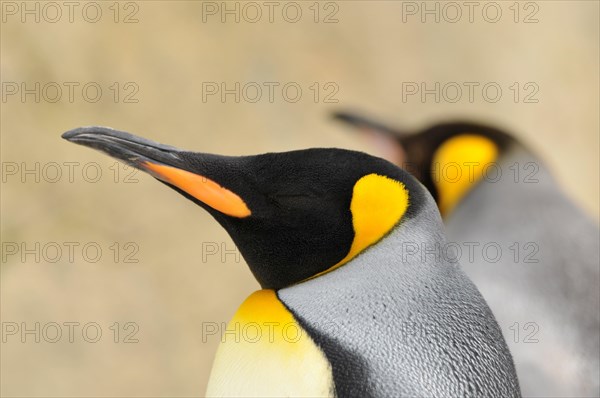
{"x":304,"y":200}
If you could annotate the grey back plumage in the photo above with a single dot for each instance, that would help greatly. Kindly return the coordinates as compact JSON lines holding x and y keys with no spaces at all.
{"x":399,"y":324}
{"x":546,"y":295}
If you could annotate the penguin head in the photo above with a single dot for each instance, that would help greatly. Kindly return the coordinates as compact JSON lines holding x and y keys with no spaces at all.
{"x":448,"y":158}
{"x":293,"y":215}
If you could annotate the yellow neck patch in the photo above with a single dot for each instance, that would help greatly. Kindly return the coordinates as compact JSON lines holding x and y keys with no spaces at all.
{"x":263,"y":306}
{"x":265,"y":352}
{"x":458,"y":164}
{"x":377,"y":205}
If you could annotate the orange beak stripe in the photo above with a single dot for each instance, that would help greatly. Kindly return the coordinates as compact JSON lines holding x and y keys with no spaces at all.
{"x":201,"y":188}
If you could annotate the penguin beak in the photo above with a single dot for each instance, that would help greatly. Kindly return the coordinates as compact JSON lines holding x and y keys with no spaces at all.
{"x":387,"y":141}
{"x":365,"y":124}
{"x":163,"y":162}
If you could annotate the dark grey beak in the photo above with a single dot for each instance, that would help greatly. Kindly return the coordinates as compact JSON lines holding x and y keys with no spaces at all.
{"x":362,"y":122}
{"x":123,"y":146}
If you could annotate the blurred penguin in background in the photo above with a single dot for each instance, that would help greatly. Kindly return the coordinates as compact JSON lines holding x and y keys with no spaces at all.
{"x":530,"y":250}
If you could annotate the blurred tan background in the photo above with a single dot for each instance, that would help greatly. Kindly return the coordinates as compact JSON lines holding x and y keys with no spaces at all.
{"x":161,"y":61}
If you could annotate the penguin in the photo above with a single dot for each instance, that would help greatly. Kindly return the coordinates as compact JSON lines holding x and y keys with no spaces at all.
{"x":342,"y":310}
{"x":543,"y":284}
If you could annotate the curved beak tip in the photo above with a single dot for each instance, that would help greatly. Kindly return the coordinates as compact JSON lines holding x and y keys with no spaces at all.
{"x":68,"y":135}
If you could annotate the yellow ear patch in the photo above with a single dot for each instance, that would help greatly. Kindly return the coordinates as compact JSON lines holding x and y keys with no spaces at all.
{"x":458,"y":164}
{"x":377,"y":205}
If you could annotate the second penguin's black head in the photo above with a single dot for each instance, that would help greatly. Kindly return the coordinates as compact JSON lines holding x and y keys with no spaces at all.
{"x":293,"y":215}
{"x":448,"y":158}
